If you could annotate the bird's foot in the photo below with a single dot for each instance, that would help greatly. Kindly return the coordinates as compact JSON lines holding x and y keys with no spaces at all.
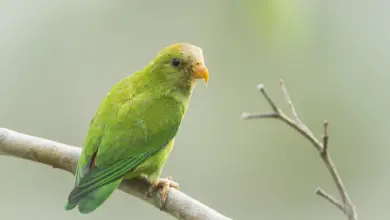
{"x":164,"y":184}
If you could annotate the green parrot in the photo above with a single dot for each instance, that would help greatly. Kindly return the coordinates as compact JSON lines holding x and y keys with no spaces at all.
{"x":133,"y":131}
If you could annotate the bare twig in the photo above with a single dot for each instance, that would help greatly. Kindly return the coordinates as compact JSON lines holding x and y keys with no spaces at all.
{"x":290,"y":103}
{"x":325,"y":138}
{"x":268,"y":98}
{"x":252,"y":116}
{"x":64,"y":157}
{"x":330,"y":198}
{"x":322,"y":147}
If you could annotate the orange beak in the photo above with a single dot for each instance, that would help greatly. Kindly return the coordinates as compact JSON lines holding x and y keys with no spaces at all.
{"x":200,"y":72}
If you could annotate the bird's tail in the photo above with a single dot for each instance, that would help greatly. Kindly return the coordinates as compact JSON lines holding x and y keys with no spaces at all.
{"x":94,"y":199}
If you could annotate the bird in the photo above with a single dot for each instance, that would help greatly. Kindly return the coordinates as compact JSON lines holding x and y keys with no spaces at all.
{"x":133,"y":131}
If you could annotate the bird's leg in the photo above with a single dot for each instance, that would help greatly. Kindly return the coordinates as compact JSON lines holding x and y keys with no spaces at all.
{"x":164,"y":184}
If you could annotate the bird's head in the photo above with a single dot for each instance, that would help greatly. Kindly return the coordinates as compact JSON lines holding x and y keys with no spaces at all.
{"x":181,"y":64}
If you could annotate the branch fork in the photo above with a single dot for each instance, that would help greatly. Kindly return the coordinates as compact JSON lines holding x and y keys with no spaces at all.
{"x":345,"y":205}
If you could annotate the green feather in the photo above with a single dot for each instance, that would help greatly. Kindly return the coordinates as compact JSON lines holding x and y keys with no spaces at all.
{"x":93,"y":200}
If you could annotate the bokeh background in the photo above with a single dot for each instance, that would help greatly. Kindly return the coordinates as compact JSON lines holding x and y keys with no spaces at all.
{"x":59,"y":58}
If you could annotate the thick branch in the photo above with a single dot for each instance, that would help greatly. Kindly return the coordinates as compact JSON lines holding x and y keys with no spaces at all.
{"x":322,"y":147}
{"x":65,"y":157}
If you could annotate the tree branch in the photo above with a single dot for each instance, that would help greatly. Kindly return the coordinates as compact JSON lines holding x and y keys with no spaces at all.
{"x":65,"y":157}
{"x":322,"y":147}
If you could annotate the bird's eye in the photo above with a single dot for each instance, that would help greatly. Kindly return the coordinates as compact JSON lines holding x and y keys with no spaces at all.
{"x":175,"y":62}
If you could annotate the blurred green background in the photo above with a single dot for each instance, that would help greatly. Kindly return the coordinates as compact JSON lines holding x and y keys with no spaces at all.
{"x":59,"y":58}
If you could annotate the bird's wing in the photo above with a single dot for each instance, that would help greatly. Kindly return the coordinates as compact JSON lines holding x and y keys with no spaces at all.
{"x":119,"y":141}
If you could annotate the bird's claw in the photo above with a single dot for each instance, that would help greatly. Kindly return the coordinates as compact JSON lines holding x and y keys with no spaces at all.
{"x":164,"y":184}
